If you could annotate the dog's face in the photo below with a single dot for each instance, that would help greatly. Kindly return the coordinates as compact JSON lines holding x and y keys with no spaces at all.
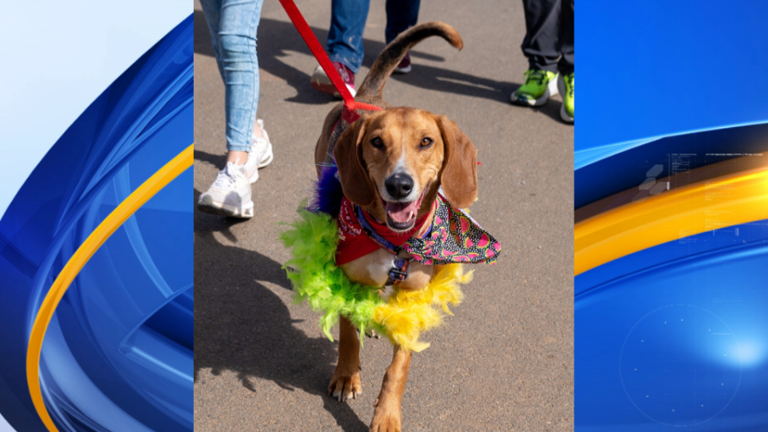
{"x":392,"y":163}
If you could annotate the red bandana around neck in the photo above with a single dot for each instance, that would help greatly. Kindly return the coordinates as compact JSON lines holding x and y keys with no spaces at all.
{"x":355,"y":243}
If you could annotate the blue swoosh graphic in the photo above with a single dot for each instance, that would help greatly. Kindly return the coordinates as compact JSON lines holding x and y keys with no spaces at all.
{"x":118,"y":352}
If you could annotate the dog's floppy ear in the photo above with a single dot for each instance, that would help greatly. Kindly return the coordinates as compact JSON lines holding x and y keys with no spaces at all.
{"x":459,"y":174}
{"x":355,"y":183}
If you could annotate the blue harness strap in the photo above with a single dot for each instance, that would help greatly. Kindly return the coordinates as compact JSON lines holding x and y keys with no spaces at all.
{"x":386,"y":244}
{"x":399,"y":271}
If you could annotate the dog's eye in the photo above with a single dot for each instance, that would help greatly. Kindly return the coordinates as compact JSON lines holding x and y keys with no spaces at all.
{"x":426,"y":142}
{"x":377,"y":142}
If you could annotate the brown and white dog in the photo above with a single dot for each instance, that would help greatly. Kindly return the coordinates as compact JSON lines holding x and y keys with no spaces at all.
{"x":391,"y":163}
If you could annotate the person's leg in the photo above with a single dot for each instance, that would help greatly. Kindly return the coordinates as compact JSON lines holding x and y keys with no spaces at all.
{"x":401,"y":15}
{"x":345,"y":45}
{"x":542,"y":31}
{"x":345,"y":37}
{"x":540,"y":47}
{"x":237,"y":47}
{"x":212,"y":9}
{"x":212,"y":13}
{"x":565,"y":65}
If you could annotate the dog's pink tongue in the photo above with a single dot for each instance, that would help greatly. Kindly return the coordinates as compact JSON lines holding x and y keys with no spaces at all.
{"x":402,"y":212}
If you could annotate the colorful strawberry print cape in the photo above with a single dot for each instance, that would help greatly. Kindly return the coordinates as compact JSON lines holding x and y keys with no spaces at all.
{"x":454,"y":237}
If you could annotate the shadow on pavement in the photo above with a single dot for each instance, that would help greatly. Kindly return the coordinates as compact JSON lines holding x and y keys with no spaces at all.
{"x":242,"y":326}
{"x":551,"y":109}
{"x":216,"y":160}
{"x":277,"y":38}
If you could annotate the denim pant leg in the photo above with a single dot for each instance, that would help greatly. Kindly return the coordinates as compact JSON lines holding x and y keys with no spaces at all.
{"x":233,"y":26}
{"x":401,"y":15}
{"x":345,"y":38}
{"x":212,"y":13}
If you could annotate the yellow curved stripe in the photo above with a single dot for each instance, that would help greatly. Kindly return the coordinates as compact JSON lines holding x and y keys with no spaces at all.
{"x":141,"y":195}
{"x":700,"y":207}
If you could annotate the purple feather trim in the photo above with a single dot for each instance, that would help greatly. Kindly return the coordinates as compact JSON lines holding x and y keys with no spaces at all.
{"x":328,"y":192}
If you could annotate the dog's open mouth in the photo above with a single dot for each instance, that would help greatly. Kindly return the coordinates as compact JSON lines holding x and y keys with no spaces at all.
{"x":401,"y":216}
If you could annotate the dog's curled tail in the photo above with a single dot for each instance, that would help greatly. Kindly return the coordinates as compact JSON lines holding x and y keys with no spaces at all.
{"x":382,"y":68}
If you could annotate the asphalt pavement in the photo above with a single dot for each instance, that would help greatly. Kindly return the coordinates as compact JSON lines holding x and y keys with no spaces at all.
{"x":505,"y":360}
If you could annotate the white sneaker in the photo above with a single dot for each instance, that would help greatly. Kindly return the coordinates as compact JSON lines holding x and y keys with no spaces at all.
{"x":320,"y":81}
{"x":260,"y":155}
{"x":229,"y":195}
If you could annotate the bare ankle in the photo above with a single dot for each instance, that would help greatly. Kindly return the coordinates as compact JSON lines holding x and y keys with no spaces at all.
{"x":237,"y":157}
{"x":257,"y":131}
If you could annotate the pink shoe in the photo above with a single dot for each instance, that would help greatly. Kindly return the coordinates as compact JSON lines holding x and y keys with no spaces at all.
{"x":321,"y":82}
{"x":405,"y":65}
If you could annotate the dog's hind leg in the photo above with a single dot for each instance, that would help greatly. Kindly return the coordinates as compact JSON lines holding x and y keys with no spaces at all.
{"x":387,"y":417}
{"x":345,"y":383}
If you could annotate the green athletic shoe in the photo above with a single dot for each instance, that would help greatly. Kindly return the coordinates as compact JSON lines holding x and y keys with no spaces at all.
{"x":565,"y":85}
{"x":538,"y":88}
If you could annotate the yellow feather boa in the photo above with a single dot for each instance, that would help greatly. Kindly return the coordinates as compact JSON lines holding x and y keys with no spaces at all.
{"x":407,"y":313}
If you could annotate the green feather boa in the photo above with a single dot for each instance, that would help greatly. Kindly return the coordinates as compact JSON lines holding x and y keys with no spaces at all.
{"x":317,"y":280}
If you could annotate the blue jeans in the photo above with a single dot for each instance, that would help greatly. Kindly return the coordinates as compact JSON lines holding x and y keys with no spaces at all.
{"x":233,"y":26}
{"x":345,"y":38}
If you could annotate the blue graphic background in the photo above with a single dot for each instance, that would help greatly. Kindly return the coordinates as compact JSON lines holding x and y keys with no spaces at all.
{"x":118,"y":351}
{"x":674,"y":336}
{"x":655,"y":68}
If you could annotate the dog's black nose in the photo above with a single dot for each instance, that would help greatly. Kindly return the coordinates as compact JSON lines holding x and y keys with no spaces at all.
{"x":399,"y":185}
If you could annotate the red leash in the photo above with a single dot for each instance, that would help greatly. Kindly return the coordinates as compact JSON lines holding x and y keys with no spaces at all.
{"x":348,"y":113}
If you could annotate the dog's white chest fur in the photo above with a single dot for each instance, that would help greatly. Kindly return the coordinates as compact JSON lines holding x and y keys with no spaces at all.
{"x":373,"y":269}
{"x":379,"y":266}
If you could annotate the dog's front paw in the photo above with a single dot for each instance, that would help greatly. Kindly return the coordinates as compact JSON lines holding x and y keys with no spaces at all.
{"x":386,"y":418}
{"x":345,"y":386}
